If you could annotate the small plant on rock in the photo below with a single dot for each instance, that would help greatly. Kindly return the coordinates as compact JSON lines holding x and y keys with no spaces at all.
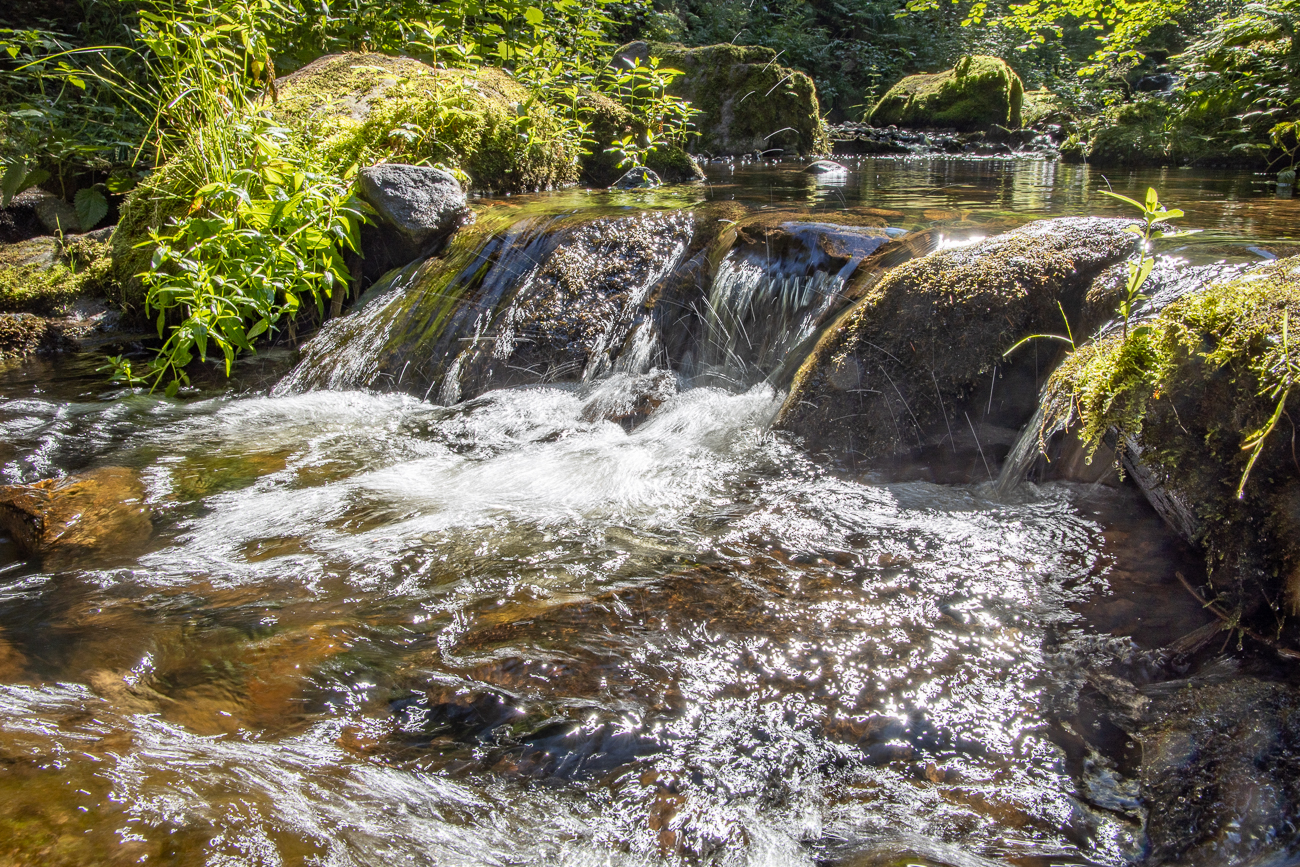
{"x":1152,"y":213}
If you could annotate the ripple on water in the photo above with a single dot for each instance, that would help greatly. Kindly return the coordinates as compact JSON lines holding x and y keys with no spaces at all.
{"x":369,"y":629}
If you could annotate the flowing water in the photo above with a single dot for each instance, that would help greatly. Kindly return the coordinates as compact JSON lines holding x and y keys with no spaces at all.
{"x":375,"y":623}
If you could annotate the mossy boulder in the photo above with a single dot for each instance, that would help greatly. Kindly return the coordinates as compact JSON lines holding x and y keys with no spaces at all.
{"x":1132,"y":134}
{"x":747,"y":102}
{"x":610,"y":121}
{"x":366,"y":108}
{"x":911,"y":380}
{"x":1183,"y":397}
{"x":362,"y":109}
{"x":43,"y":275}
{"x":975,"y":94}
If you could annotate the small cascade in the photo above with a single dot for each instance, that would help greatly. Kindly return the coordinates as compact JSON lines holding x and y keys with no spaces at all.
{"x":539,"y":300}
{"x":1028,"y":447}
{"x":761,"y":307}
{"x":574,"y":299}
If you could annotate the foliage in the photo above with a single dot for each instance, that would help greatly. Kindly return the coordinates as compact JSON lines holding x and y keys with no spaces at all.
{"x":1152,"y":213}
{"x":254,"y":248}
{"x":665,"y":119}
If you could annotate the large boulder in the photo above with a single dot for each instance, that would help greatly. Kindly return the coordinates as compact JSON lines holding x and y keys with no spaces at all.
{"x":747,"y":102}
{"x":357,"y":108}
{"x":911,"y":380}
{"x":1184,"y":396}
{"x":975,"y":94}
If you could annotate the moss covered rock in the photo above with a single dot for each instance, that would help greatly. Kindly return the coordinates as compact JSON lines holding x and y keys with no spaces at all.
{"x":975,"y":94}
{"x":361,"y":109}
{"x":747,"y":102}
{"x":1183,"y":395}
{"x":610,"y":121}
{"x":43,"y":275}
{"x":1132,"y":134}
{"x":904,"y":378}
{"x":366,"y":108}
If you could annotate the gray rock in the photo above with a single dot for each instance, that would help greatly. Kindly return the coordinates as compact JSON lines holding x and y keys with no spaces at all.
{"x":421,"y":202}
{"x":56,"y":215}
{"x":825,"y":167}
{"x":417,"y":207}
{"x":639,"y":178}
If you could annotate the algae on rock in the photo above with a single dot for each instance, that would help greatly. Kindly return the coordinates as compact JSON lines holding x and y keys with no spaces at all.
{"x":908,"y":366}
{"x":1188,"y":390}
{"x":747,"y":102}
{"x":975,"y":94}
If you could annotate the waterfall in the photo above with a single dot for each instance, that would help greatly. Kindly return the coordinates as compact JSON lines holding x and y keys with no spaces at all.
{"x":576,"y":299}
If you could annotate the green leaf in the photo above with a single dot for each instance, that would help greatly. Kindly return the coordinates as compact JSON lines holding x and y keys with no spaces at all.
{"x":91,"y":208}
{"x":534,"y":16}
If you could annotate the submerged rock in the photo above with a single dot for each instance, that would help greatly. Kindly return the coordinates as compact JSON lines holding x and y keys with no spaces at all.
{"x":639,"y":178}
{"x":747,"y":102}
{"x":826,"y":167}
{"x":1219,"y":774}
{"x":975,"y":94}
{"x":97,"y":510}
{"x":909,"y":371}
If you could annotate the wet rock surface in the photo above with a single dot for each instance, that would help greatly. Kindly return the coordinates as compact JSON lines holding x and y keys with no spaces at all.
{"x":95,"y":511}
{"x":639,"y":178}
{"x":1219,"y":771}
{"x":862,"y":139}
{"x":917,"y":363}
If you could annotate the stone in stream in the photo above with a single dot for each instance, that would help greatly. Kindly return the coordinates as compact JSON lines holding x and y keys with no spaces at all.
{"x":747,"y":102}
{"x":639,"y":178}
{"x":95,"y":511}
{"x":417,"y":209}
{"x":826,"y":167}
{"x":975,"y":94}
{"x":903,"y":382}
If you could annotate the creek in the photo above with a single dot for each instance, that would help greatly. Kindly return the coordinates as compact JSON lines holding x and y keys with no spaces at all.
{"x":398,"y":607}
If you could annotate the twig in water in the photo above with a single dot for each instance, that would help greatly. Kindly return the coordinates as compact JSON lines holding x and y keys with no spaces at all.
{"x":951,"y":439}
{"x":1233,"y":623}
{"x":977,"y":445}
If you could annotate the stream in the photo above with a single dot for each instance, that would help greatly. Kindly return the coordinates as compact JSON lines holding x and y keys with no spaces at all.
{"x":376,"y":622}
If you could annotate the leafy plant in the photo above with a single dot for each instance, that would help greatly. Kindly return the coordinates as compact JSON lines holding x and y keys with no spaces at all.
{"x":253,"y":249}
{"x":666,"y":119}
{"x":1152,"y":213}
{"x":1279,"y":371}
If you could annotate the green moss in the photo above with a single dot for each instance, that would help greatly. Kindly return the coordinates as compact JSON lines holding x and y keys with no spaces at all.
{"x":164,"y":195}
{"x":39,"y":276}
{"x":975,"y":94}
{"x":1189,"y":389}
{"x":747,"y":102}
{"x":365,"y":108}
{"x":1131,"y":134}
